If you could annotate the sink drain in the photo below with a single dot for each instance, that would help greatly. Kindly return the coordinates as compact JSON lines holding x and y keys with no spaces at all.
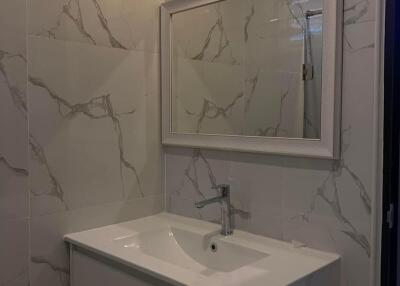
{"x":213,"y":247}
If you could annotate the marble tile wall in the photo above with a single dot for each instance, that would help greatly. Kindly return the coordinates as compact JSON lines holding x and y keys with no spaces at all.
{"x":85,"y":75}
{"x":326,"y":205}
{"x":93,"y":85}
{"x":14,"y":202}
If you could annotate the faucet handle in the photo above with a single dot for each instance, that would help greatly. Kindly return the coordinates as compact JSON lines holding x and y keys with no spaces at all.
{"x":223,"y":189}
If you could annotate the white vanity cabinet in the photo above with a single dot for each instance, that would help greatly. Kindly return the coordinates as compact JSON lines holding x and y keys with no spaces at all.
{"x":167,"y":249}
{"x":90,"y":269}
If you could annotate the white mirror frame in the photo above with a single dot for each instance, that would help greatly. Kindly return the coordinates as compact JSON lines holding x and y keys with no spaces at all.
{"x":328,"y":146}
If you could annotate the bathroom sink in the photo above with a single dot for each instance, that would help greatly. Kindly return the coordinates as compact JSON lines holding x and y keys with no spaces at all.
{"x":184,"y":251}
{"x":205,"y":254}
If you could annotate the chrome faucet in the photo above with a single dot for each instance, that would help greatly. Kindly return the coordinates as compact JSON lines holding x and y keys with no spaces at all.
{"x":225,"y":201}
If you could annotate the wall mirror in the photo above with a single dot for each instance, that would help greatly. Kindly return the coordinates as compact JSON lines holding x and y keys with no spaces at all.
{"x":252,"y":75}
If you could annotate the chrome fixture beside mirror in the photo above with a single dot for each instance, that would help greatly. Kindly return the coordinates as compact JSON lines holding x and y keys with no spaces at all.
{"x":224,"y":199}
{"x":311,"y":13}
{"x":252,"y":75}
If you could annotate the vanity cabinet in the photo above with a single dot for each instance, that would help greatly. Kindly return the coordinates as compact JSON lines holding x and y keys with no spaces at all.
{"x":88,"y":268}
{"x":167,"y":249}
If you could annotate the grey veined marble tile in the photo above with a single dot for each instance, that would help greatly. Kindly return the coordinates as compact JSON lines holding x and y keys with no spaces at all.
{"x":49,"y":261}
{"x":14,"y":249}
{"x":13,"y":111}
{"x":93,"y":125}
{"x":121,"y":24}
{"x":356,"y":11}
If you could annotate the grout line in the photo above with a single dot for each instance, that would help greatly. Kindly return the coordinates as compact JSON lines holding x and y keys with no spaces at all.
{"x":27,"y":7}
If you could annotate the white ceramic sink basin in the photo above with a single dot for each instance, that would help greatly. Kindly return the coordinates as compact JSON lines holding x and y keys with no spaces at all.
{"x":185,"y":251}
{"x":203,"y":254}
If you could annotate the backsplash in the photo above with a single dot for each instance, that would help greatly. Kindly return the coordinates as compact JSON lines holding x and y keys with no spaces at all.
{"x":324,"y":204}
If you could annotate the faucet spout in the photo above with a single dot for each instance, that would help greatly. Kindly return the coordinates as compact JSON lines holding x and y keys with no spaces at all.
{"x":226,"y":214}
{"x":202,"y":204}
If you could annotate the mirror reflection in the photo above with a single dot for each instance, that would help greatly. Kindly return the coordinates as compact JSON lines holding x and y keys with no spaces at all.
{"x":248,"y":67}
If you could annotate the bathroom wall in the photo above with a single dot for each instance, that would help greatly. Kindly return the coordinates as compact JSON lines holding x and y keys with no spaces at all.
{"x":14,"y":202}
{"x":91,"y":154}
{"x":95,"y":151}
{"x":324,"y":204}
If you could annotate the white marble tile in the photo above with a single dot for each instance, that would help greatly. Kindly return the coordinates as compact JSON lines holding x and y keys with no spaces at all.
{"x":195,"y":173}
{"x":322,"y":207}
{"x":203,"y":102}
{"x":13,"y":147}
{"x":120,"y":24}
{"x":272,"y":104}
{"x":256,"y":183}
{"x":13,"y":108}
{"x":218,"y":36}
{"x":358,"y":100}
{"x":94,"y":125}
{"x":49,"y":254}
{"x":356,"y":11}
{"x":193,"y":178}
{"x":13,"y":190}
{"x":14,"y":252}
{"x":13,"y":17}
{"x":14,"y":224}
{"x":275,"y":45}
